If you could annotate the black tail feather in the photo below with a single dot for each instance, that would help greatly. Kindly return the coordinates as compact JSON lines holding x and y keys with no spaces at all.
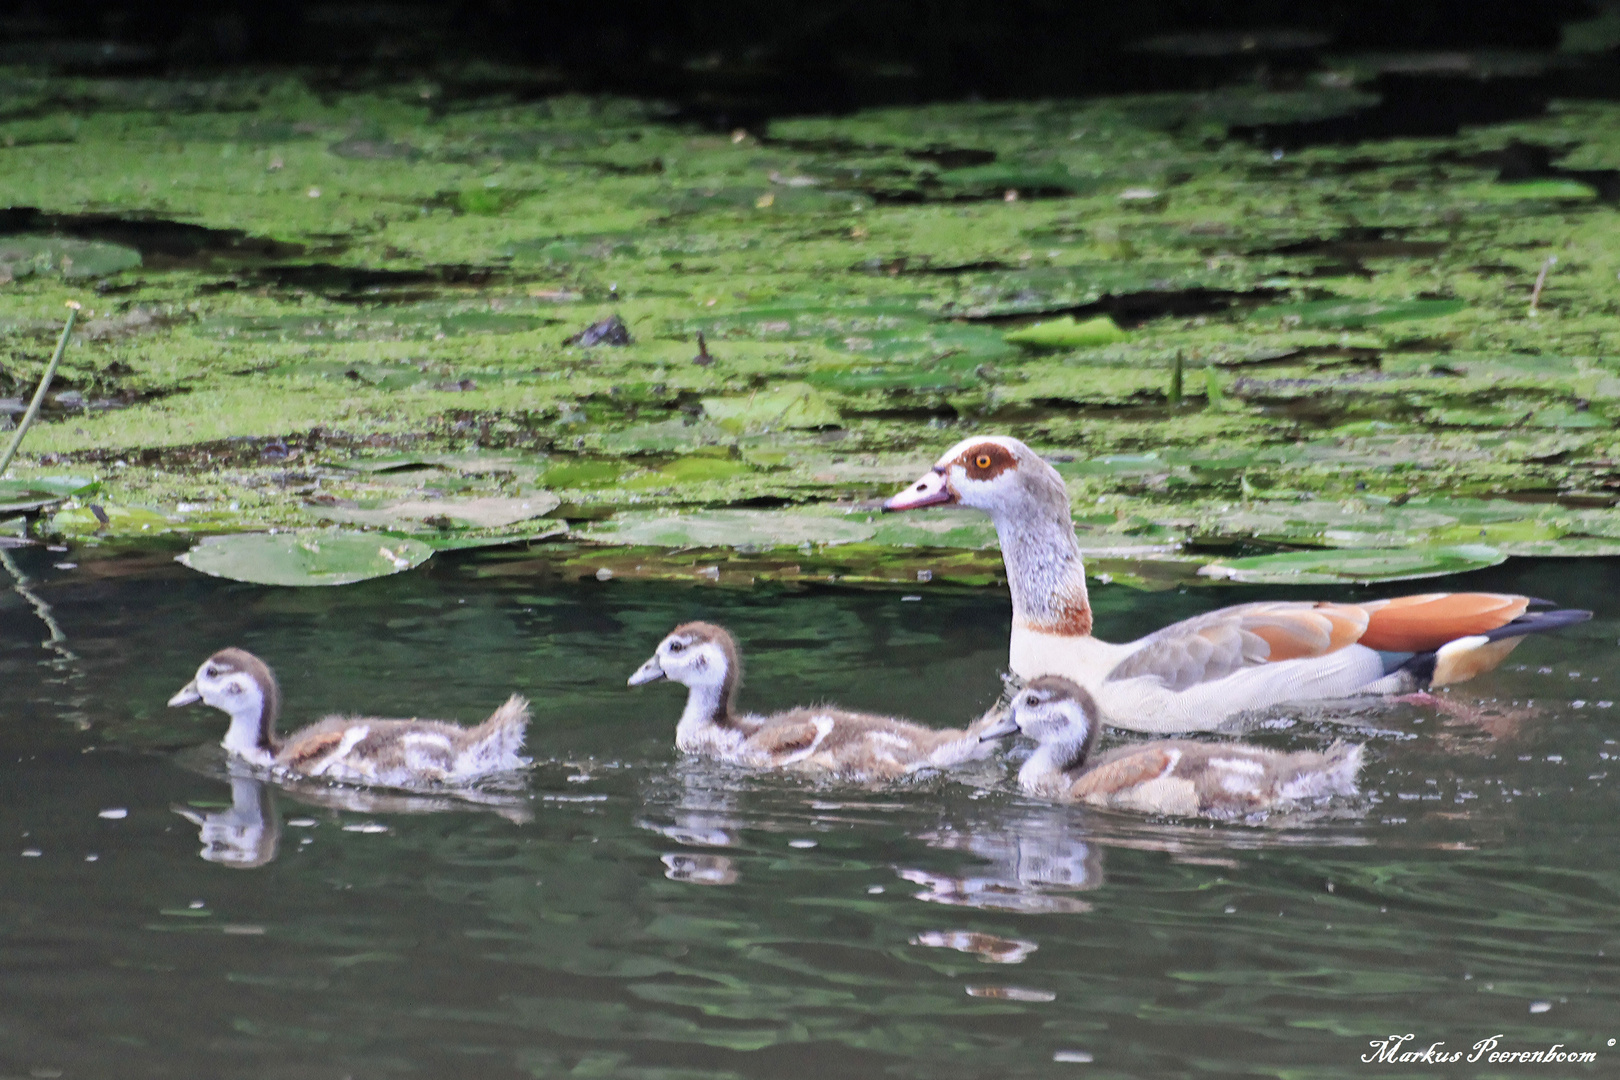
{"x":1421,"y":665}
{"x":1539,"y":622}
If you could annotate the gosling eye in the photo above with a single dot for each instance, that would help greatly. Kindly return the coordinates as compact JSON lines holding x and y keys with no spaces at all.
{"x":1032,"y":701}
{"x":676,"y":646}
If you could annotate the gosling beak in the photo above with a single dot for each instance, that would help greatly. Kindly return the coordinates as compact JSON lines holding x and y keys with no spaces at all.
{"x":1000,"y":729}
{"x":929,"y":490}
{"x":187,"y":696}
{"x":651,"y":671}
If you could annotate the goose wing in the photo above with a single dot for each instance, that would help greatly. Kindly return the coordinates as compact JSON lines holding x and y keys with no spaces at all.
{"x":1217,"y":644}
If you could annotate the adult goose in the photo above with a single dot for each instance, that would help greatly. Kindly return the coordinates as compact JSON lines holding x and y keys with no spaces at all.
{"x":703,"y":657}
{"x":352,"y":749}
{"x":1196,"y":674}
{"x":1166,"y":776}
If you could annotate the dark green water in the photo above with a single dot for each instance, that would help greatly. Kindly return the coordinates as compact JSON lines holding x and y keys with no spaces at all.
{"x":631,"y":915}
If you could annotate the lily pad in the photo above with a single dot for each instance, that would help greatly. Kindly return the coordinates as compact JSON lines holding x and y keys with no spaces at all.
{"x":313,"y":557}
{"x":1343,"y":565}
{"x":1066,"y":333}
{"x":1352,"y":314}
{"x":21,"y":256}
{"x":791,"y":405}
{"x":734,"y":528}
{"x":487,"y":513}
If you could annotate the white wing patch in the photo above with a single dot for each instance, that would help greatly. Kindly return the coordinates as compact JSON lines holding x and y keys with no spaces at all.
{"x":823,"y":726}
{"x":351,"y":738}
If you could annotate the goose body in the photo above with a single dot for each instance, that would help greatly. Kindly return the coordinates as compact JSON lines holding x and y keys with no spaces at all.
{"x":823,"y":739}
{"x":352,"y":749}
{"x":1167,"y":776}
{"x":1196,"y":674}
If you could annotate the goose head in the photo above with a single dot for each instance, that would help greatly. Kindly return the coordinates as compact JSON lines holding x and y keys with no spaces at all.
{"x":994,"y":473}
{"x":697,"y":655}
{"x":1058,"y":714}
{"x":242,"y":686}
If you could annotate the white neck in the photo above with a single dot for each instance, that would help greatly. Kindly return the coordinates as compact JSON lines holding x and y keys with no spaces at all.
{"x":1045,"y":572}
{"x":247,"y":721}
{"x":1045,"y":767}
{"x":699,"y":727}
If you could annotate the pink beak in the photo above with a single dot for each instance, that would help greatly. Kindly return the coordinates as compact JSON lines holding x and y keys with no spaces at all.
{"x":929,"y":490}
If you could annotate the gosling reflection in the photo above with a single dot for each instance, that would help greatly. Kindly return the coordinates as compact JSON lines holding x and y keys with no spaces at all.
{"x":700,"y":869}
{"x":246,"y":835}
{"x":1037,"y":861}
{"x":702,"y":808}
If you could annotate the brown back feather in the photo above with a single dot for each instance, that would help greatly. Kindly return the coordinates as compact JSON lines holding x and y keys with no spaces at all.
{"x":257,"y":670}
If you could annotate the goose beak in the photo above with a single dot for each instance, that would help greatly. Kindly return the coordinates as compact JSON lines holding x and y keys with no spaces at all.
{"x":929,"y":490}
{"x":187,"y":696}
{"x":1000,"y":729}
{"x":651,"y":671}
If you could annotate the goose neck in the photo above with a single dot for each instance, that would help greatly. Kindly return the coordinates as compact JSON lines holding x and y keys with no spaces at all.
{"x":1045,"y":571}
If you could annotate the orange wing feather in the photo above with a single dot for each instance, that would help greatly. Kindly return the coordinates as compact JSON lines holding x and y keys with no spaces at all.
{"x":1427,"y":621}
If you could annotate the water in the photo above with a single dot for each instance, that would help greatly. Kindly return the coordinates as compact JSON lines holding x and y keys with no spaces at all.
{"x":628,"y":914}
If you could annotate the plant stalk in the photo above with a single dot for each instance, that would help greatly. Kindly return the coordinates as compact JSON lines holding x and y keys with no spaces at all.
{"x":44,"y":385}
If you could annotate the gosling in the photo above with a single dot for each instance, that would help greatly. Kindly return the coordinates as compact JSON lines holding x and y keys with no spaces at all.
{"x":1172,"y":777}
{"x":703,"y":657}
{"x":362,"y":750}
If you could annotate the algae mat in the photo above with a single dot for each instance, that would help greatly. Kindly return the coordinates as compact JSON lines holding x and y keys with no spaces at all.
{"x":392,"y":306}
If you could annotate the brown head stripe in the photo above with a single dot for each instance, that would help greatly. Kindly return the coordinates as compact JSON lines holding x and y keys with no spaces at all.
{"x":706,"y":631}
{"x":986,"y":461}
{"x":257,"y":670}
{"x":1059,"y":687}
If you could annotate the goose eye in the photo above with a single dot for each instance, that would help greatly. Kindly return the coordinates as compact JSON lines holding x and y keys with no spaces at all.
{"x":982,"y":461}
{"x":676,"y":646}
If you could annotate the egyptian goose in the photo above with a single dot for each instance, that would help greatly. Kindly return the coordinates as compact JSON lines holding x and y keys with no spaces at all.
{"x":1196,"y":674}
{"x":703,"y":657}
{"x":1166,"y":776}
{"x":352,"y":749}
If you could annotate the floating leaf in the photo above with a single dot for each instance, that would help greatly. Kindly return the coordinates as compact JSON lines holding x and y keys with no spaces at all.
{"x":734,"y":528}
{"x":791,"y":405}
{"x":486,"y":513}
{"x":1352,"y":314}
{"x":1066,"y":333}
{"x":24,"y":255}
{"x":1353,"y":564}
{"x":312,"y":557}
{"x":460,"y":541}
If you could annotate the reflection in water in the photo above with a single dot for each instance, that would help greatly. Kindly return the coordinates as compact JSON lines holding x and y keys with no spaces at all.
{"x":246,"y":835}
{"x":702,"y":807}
{"x":508,"y":802}
{"x":989,"y":948}
{"x":1036,"y":860}
{"x":700,"y":869}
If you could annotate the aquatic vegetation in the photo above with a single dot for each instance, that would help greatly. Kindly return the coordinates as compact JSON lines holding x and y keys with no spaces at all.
{"x":1233,"y":336}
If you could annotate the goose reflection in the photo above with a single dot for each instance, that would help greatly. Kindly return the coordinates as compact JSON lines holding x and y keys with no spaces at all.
{"x":1036,"y":862}
{"x":245,"y":836}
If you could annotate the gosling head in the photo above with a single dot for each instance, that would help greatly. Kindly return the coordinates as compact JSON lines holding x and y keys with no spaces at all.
{"x":994,"y":473}
{"x":698,"y":655}
{"x":1052,"y":709}
{"x":240,"y":685}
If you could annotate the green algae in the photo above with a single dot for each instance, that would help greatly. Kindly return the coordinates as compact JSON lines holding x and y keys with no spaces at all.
{"x":379,"y":317}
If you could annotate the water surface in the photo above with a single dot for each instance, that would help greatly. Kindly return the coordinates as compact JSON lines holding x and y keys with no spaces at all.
{"x":629,"y":914}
